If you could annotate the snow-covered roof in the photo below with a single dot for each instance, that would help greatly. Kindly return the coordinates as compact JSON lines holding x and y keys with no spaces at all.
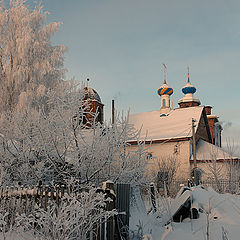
{"x":207,"y":152}
{"x":177,"y":123}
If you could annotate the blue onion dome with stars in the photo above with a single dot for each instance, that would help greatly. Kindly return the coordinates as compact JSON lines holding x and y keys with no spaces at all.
{"x":165,"y":90}
{"x":189,"y":88}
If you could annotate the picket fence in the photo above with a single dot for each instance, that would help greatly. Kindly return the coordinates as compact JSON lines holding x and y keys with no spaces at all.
{"x":23,"y":200}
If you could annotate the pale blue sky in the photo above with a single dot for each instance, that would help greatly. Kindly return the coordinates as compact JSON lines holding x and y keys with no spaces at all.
{"x":121,"y":45}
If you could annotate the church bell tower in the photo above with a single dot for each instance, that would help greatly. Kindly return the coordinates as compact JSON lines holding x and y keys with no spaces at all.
{"x":188,"y":100}
{"x":91,"y":99}
{"x":165,"y":92}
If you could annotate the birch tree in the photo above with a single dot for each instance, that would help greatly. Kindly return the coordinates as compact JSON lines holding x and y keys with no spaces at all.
{"x":29,"y":64}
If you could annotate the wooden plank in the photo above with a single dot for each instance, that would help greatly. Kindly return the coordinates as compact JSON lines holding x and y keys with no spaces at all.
{"x":46,"y":198}
{"x":123,"y":206}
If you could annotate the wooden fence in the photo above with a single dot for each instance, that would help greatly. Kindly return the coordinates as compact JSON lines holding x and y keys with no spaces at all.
{"x":18,"y":200}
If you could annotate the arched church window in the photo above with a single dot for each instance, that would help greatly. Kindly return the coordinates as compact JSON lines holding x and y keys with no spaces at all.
{"x":163,"y":103}
{"x":99,"y":118}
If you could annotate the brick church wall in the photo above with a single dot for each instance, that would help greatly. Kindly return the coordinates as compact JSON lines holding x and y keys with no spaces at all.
{"x":188,"y":104}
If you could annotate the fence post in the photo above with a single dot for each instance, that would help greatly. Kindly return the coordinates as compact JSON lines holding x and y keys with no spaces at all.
{"x":153,"y":198}
{"x":46,"y":198}
{"x":62,"y":191}
{"x":110,"y":205}
{"x":52,"y":193}
{"x":41,"y":196}
{"x":21,"y":199}
{"x":122,"y":206}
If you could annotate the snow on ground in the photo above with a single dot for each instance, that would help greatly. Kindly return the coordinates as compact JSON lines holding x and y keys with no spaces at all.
{"x":222,"y":210}
{"x":224,"y":213}
{"x":140,"y":222}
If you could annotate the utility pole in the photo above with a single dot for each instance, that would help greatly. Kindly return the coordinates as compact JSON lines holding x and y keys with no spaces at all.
{"x":113,"y":112}
{"x":194,"y":152}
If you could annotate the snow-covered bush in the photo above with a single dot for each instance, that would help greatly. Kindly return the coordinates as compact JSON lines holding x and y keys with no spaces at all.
{"x":74,"y":218}
{"x":57,"y":144}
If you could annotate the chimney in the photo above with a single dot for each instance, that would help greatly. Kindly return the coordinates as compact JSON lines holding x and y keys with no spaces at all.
{"x":208,"y":110}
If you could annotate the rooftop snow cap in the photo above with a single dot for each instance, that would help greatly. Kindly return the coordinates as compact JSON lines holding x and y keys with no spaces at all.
{"x":90,"y":93}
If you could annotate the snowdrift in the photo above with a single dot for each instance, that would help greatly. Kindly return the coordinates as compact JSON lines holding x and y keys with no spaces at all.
{"x":217,"y":216}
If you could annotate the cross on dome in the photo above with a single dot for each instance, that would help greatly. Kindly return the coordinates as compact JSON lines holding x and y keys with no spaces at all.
{"x":189,"y":88}
{"x":165,"y":89}
{"x":165,"y":92}
{"x":188,"y":100}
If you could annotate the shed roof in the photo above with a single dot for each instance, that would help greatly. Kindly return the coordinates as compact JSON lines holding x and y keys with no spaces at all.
{"x":208,"y":152}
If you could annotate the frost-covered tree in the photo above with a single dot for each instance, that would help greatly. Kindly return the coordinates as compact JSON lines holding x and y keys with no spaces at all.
{"x":215,"y":171}
{"x":224,"y":174}
{"x":59,"y":144}
{"x":29,"y":64}
{"x":55,"y":143}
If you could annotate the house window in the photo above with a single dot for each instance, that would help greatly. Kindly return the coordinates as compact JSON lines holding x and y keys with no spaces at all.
{"x":149,"y":156}
{"x":176,"y":149}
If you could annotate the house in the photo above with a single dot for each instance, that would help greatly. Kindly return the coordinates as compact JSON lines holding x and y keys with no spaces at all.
{"x":173,"y":134}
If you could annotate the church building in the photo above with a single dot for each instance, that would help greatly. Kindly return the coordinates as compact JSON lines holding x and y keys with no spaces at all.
{"x":92,"y":104}
{"x":190,"y":136}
